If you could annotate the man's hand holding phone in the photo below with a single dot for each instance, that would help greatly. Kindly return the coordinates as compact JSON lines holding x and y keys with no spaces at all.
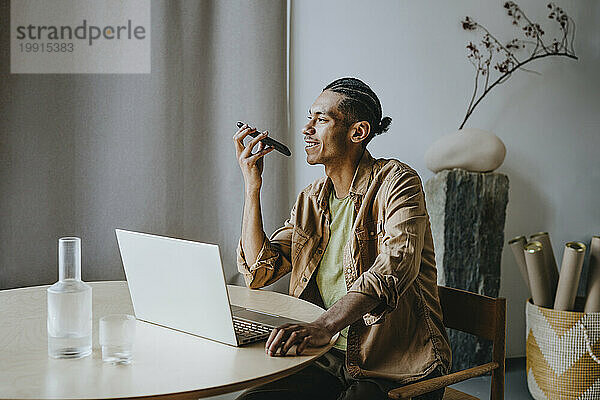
{"x":251,"y":164}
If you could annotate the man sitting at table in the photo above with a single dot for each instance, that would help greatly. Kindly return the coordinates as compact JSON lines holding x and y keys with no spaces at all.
{"x":358,"y":243}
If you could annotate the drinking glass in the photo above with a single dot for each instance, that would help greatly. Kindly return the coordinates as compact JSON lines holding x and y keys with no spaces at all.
{"x":116,"y":334}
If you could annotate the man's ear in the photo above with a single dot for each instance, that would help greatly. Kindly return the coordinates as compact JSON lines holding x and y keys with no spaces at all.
{"x":360,"y":131}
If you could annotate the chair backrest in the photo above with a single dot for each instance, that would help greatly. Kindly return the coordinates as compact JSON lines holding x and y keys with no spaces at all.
{"x":470,"y":312}
{"x":482,"y":316}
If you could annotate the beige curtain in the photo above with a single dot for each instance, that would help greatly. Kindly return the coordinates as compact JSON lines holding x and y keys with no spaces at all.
{"x":85,"y":154}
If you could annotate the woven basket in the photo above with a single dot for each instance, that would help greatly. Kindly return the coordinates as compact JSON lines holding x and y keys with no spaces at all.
{"x":561,"y":353}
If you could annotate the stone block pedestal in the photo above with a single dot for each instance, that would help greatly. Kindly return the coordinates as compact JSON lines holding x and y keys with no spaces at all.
{"x":467,"y":212}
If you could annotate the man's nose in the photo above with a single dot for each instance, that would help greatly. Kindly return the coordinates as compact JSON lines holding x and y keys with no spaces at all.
{"x":308,"y":129}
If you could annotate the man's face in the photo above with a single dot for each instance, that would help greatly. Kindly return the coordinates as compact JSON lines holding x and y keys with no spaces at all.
{"x":326,"y":132}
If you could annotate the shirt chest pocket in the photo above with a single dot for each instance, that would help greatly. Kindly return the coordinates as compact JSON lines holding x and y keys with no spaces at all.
{"x":370,"y":237}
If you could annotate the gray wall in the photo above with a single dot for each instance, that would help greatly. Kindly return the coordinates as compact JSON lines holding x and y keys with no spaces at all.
{"x":413,"y":55}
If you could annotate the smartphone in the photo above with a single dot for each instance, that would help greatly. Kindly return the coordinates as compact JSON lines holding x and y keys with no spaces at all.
{"x":280,"y":147}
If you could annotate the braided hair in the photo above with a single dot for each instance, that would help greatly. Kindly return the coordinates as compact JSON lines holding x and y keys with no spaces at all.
{"x":360,"y":103}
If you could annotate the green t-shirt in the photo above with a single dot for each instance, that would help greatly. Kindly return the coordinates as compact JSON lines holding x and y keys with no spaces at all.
{"x":330,"y":274}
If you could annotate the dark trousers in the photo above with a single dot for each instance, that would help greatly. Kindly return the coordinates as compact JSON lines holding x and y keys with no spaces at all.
{"x":327,"y":378}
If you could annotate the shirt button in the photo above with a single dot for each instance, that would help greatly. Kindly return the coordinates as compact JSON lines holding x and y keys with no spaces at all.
{"x":319,"y":251}
{"x":372,"y":233}
{"x":304,"y":279}
{"x":349,"y":270}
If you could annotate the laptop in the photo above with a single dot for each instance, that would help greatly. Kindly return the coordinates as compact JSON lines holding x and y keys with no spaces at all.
{"x":180,"y":284}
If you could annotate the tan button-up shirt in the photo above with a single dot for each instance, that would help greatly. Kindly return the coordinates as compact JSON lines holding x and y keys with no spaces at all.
{"x":388,"y":257}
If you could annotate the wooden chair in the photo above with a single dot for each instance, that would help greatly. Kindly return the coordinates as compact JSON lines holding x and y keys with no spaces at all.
{"x":478,"y":315}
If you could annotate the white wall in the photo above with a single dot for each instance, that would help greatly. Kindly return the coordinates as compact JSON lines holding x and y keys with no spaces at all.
{"x":413,"y":55}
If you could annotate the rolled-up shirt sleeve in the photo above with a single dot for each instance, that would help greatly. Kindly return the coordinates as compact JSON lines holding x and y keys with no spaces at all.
{"x":273,"y":260}
{"x":398,"y":263}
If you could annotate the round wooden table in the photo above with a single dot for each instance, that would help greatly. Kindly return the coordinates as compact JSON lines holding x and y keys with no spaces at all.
{"x":166,"y":363}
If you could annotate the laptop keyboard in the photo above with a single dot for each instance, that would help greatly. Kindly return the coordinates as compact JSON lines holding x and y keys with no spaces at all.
{"x":248,"y":332}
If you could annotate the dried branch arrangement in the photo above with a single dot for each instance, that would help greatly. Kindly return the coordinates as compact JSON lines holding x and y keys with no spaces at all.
{"x":481,"y":56}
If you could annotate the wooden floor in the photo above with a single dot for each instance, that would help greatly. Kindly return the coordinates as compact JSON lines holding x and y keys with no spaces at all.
{"x":453,"y":394}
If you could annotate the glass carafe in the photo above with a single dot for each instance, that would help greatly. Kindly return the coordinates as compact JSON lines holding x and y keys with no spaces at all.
{"x":69,"y":305}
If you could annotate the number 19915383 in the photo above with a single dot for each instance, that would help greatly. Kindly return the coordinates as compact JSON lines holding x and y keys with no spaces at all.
{"x":46,"y":47}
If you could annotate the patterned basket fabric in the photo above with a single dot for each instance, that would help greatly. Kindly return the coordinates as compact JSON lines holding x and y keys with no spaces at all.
{"x":563,"y":354}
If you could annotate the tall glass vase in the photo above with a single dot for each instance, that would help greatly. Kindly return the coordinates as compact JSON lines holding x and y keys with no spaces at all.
{"x":69,"y":305}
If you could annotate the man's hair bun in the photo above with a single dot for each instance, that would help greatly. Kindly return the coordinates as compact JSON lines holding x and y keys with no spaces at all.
{"x":384,"y":125}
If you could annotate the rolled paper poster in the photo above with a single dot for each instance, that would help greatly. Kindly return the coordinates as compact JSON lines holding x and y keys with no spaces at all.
{"x":592,"y":301}
{"x":517,"y":244}
{"x":549,"y":260}
{"x":570,"y":271}
{"x":537,"y":273}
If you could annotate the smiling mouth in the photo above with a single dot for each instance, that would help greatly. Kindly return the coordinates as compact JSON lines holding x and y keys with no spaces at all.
{"x":311,"y":144}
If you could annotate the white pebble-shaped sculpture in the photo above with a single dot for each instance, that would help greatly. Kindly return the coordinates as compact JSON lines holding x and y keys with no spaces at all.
{"x":471,"y":149}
